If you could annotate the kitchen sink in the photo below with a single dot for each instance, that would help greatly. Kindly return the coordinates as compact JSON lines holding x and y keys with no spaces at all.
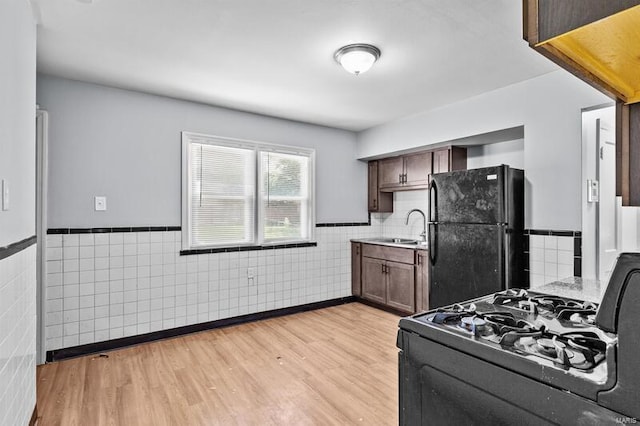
{"x":398,"y":240}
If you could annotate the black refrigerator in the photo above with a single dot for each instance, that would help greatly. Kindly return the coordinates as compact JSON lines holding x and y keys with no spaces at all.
{"x":476,"y":221}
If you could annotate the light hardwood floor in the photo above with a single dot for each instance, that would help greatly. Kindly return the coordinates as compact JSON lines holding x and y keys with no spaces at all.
{"x":334,"y":366}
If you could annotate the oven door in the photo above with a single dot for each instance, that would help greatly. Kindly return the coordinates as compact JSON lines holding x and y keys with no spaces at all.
{"x":440,"y":385}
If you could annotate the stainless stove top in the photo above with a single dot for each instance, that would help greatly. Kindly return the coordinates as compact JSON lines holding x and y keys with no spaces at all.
{"x":554,"y":338}
{"x":551,"y":330}
{"x":579,"y":347}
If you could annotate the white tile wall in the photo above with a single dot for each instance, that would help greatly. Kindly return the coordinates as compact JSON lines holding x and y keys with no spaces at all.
{"x":111,"y":285}
{"x":393,"y":224}
{"x":18,"y":337}
{"x":550,"y":259}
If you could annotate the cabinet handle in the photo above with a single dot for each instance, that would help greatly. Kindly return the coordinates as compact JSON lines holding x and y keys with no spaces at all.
{"x":375,"y":204}
{"x":419,"y":259}
{"x":382,"y":269}
{"x":404,"y":178}
{"x":400,"y":178}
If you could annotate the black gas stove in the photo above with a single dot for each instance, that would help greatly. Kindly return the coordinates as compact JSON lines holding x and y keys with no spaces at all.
{"x":541,"y":358}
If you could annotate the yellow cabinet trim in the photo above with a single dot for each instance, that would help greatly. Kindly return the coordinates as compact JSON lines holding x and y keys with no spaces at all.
{"x":609,"y":49}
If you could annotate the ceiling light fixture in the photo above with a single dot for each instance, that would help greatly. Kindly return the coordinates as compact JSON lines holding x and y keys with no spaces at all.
{"x":357,"y":58}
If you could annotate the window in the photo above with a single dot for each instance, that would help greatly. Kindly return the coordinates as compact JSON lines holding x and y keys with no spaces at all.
{"x":245,"y":193}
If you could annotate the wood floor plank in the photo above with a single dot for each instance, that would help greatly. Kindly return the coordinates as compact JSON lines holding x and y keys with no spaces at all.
{"x":333,"y":366}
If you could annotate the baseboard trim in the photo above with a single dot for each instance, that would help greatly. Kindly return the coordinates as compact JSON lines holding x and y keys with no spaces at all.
{"x":34,"y":416}
{"x":382,"y":307}
{"x":92,"y":348}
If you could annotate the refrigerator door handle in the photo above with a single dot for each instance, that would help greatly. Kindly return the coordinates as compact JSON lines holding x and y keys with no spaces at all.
{"x":433,"y":202}
{"x":432,"y":243}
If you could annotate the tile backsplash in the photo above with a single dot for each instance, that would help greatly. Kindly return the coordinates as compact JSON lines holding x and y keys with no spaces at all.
{"x":105,"y":286}
{"x":393,"y":224}
{"x":18,"y":337}
{"x":553,"y":258}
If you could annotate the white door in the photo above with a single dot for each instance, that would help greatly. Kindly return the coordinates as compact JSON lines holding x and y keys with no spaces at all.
{"x":606,"y":237}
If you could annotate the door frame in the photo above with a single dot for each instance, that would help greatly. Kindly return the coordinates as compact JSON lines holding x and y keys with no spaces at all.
{"x":590,"y":228}
{"x":42,"y":170}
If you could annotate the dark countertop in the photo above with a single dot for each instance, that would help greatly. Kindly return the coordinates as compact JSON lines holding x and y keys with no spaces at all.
{"x":575,"y":288}
{"x":384,"y":242}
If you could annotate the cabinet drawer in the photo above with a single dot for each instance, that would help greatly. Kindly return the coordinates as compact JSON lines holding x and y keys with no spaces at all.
{"x":395,"y":254}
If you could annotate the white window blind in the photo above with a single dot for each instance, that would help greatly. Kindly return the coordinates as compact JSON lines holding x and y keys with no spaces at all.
{"x":245,"y":193}
{"x":222,"y":195}
{"x":284,"y":196}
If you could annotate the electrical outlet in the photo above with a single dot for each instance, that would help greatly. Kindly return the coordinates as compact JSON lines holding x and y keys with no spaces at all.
{"x":101,"y":203}
{"x":251,"y":273}
{"x":5,"y":195}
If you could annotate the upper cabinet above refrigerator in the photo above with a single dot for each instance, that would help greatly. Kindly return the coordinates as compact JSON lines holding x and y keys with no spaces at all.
{"x":413,"y":171}
{"x":406,"y":172}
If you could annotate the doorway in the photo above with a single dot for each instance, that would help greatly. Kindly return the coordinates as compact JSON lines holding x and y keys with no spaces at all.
{"x":42,"y":128}
{"x":601,"y":209}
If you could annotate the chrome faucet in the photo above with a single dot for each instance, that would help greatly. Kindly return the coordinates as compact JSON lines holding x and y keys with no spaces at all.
{"x":424,"y":223}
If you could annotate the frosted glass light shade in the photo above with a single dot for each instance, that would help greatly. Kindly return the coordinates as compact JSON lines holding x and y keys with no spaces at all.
{"x":357,"y":58}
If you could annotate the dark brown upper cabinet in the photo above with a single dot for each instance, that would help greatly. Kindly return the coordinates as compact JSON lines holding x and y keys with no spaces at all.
{"x":449,"y":159}
{"x":391,"y":171}
{"x":406,"y":172}
{"x":598,"y":41}
{"x":379,"y":202}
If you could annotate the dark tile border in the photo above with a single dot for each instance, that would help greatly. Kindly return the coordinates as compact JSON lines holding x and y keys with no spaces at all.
{"x":245,"y":248}
{"x":551,"y":232}
{"x":336,"y":225}
{"x":577,"y":267}
{"x":57,"y":231}
{"x":577,"y":247}
{"x":16,"y":247}
{"x":91,"y":348}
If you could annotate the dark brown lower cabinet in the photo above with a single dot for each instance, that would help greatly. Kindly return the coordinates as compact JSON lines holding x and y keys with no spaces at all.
{"x":422,"y":280}
{"x":389,"y":282}
{"x":374,"y":280}
{"x":356,"y":268}
{"x":401,"y":286}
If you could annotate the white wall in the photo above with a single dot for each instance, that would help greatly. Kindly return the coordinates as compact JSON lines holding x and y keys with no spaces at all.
{"x":510,"y":153}
{"x":548,"y":106}
{"x":126,"y":146}
{"x":17,"y":166}
{"x":17,"y":119}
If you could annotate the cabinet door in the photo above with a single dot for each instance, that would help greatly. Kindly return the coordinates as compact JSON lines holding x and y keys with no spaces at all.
{"x":373,"y":186}
{"x":458,"y":158}
{"x":378,"y":201}
{"x":422,"y":280}
{"x":441,"y":161}
{"x":417,"y":169}
{"x":401,"y":286}
{"x":356,"y":268}
{"x":373,"y":280}
{"x":390,"y":173}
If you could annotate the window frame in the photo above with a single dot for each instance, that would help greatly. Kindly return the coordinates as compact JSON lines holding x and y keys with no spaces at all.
{"x":258,"y":225}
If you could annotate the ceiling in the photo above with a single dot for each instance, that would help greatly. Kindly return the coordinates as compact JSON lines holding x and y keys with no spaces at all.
{"x":275,"y":57}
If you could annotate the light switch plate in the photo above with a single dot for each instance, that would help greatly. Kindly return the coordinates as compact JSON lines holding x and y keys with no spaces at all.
{"x":593,"y":191}
{"x":5,"y":195}
{"x":101,"y":203}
